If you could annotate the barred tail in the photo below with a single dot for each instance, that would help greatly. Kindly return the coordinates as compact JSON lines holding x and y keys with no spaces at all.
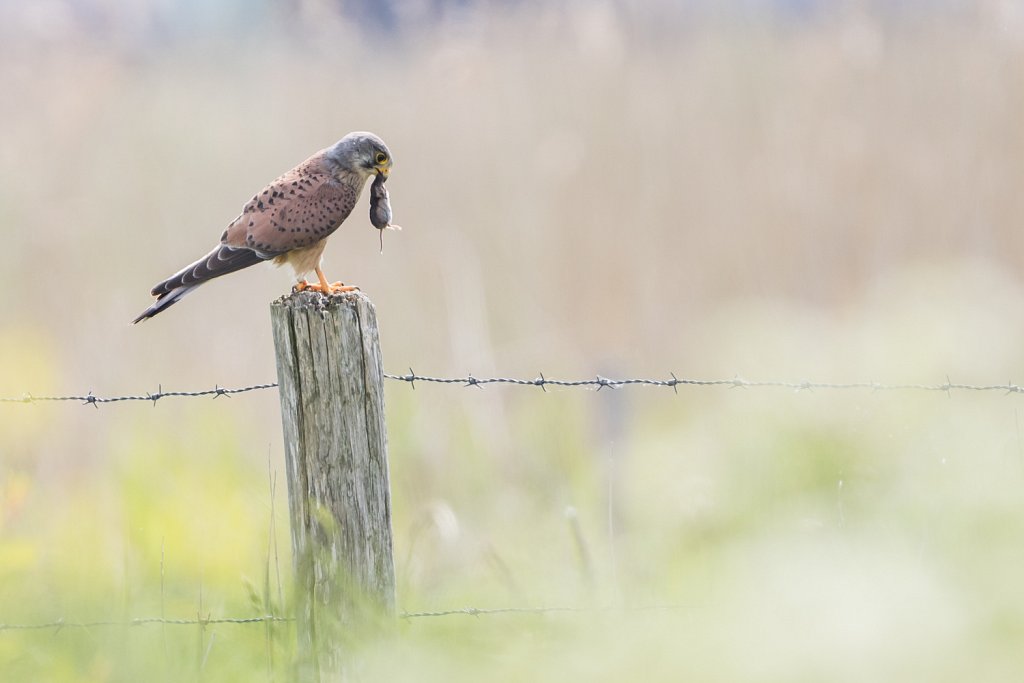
{"x":220,"y":261}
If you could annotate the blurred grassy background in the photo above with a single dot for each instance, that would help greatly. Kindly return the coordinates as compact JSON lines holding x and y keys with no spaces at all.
{"x":788,"y":190}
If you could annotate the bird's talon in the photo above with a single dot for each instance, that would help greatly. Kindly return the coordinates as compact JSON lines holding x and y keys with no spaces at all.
{"x":328,"y":289}
{"x":341,"y":288}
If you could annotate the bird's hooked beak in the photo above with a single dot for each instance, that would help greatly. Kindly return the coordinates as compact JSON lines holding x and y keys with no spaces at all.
{"x":384,"y":169}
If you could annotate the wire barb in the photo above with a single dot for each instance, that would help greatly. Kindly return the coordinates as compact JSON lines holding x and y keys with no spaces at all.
{"x":540,"y":382}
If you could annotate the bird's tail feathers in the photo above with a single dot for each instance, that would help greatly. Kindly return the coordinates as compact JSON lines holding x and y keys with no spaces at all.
{"x":166,"y":300}
{"x":221,"y":261}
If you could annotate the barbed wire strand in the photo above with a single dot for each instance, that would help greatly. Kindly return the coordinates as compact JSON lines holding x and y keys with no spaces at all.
{"x":598,"y":383}
{"x":485,"y":611}
{"x":60,"y":624}
{"x":91,"y":399}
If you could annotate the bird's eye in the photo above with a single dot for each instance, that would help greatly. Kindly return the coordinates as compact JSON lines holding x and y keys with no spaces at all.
{"x":381,"y":157}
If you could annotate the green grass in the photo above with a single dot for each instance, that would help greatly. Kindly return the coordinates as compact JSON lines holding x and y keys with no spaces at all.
{"x":786,"y":535}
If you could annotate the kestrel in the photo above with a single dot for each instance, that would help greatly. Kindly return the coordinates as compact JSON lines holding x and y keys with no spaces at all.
{"x":289,"y":220}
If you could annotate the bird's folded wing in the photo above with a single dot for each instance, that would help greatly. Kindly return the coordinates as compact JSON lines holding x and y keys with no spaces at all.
{"x":295,"y":211}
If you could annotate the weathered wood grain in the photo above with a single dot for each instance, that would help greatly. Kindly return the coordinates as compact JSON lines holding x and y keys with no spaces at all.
{"x":332,"y":409}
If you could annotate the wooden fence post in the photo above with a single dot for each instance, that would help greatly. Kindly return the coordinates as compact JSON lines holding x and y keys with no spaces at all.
{"x":335,"y":440}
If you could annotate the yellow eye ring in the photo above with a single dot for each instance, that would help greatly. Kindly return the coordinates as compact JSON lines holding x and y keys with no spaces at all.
{"x":381,"y":157}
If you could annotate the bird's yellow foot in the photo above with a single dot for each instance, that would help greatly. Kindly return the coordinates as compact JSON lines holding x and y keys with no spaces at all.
{"x":326,"y":287}
{"x":340,"y":288}
{"x":331,"y":288}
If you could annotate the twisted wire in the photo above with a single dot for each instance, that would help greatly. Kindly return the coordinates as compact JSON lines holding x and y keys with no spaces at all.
{"x":597,"y":383}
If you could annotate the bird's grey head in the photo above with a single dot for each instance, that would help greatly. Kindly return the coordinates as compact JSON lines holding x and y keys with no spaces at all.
{"x":362,"y":153}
